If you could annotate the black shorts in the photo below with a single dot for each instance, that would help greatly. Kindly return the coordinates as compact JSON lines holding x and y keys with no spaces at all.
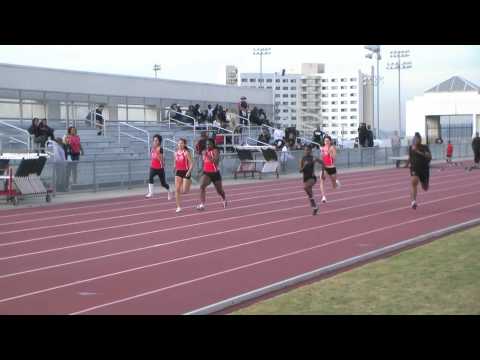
{"x":477,"y":157}
{"x":329,"y":171}
{"x":183,"y":174}
{"x":423,"y":175}
{"x":214,"y":176}
{"x":305,"y":179}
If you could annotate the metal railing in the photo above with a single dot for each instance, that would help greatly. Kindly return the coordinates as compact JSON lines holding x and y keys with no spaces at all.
{"x":170,"y":119}
{"x":27,"y":142}
{"x":245,"y":119}
{"x":147,"y":141}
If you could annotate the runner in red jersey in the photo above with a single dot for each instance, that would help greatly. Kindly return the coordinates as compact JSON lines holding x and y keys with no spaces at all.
{"x":211,"y":173}
{"x":183,"y":171}
{"x":157,"y":166}
{"x":328,"y":155}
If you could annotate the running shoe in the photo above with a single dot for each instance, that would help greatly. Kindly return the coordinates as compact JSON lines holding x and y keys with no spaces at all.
{"x":201,"y":207}
{"x":338,"y":184}
{"x":224,"y":204}
{"x":414,"y":205}
{"x":324,"y":199}
{"x":149,"y":195}
{"x":178,"y":210}
{"x":169,"y":195}
{"x":315,"y":210}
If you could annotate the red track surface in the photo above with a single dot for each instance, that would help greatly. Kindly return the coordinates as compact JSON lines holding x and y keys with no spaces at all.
{"x":135,"y":256}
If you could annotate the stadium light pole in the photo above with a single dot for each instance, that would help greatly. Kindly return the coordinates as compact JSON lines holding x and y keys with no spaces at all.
{"x":399,"y":65}
{"x":375,"y":49}
{"x":156,"y":68}
{"x":261,"y":52}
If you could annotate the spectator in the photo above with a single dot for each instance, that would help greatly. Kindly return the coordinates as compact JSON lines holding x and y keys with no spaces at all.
{"x":264,"y":136}
{"x":318,"y":137}
{"x":370,"y":142}
{"x":45,"y":132}
{"x":222,"y":117}
{"x":476,"y":150}
{"x":362,"y":135}
{"x":395,"y":142}
{"x":284,"y":157}
{"x":74,"y":150}
{"x":196,"y":111}
{"x":60,"y":161}
{"x":254,"y":118}
{"x":210,"y":113}
{"x":99,"y":121}
{"x":449,"y":153}
{"x":243,"y":110}
{"x":262,"y":116}
{"x":278,"y":134}
{"x":35,"y":132}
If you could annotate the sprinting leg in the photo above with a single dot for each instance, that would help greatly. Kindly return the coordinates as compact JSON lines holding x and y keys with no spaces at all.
{"x":308,"y":187}
{"x":413,"y":193}
{"x":186,"y":186}
{"x":220,"y":191}
{"x":178,"y":187}
{"x":322,"y":187}
{"x":203,"y":186}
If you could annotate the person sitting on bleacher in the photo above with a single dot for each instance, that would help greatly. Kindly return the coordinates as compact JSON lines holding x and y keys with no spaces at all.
{"x":45,"y":132}
{"x":35,"y":131}
{"x":264,"y":136}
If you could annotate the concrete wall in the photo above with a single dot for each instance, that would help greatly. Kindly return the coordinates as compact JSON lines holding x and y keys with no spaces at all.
{"x":451,"y":103}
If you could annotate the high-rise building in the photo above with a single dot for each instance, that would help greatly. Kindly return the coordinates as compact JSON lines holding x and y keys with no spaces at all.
{"x":231,"y":75}
{"x":334,"y":101}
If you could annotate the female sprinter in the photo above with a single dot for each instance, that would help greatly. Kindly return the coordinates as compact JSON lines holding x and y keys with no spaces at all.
{"x":183,"y":171}
{"x":329,"y":153}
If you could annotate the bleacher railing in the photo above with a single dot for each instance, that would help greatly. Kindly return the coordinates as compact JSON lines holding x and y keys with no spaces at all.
{"x":146,"y":139}
{"x":23,"y":136}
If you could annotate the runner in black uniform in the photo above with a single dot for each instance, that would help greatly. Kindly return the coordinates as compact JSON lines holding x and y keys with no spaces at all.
{"x":419,"y":160}
{"x":307,"y":167}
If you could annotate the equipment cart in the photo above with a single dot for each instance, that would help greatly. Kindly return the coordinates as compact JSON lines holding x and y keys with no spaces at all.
{"x":248,"y":164}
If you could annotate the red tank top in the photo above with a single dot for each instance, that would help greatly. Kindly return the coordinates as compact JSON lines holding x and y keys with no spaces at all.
{"x":449,"y":150}
{"x":74,"y":142}
{"x":156,"y":163}
{"x":208,"y":165}
{"x":181,"y":160}
{"x":327,"y":158}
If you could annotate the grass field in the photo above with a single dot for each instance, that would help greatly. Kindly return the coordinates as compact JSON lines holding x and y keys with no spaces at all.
{"x":442,"y":277}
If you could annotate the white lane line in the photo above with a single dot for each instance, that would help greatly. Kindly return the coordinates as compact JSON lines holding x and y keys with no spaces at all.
{"x":252,"y":294}
{"x":176,"y":217}
{"x":109,"y":275}
{"x":207,"y":222}
{"x":232,"y":187}
{"x":169,"y":209}
{"x":268,"y":260}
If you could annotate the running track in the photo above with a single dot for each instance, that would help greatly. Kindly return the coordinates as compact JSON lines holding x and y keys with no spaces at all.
{"x":135,"y":256}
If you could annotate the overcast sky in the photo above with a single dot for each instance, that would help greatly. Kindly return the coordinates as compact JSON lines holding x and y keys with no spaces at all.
{"x":206,"y":63}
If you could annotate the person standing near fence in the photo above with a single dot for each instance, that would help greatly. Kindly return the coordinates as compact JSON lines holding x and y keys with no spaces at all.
{"x":476,"y":152}
{"x":211,"y":173}
{"x":74,"y":150}
{"x":395,"y":142}
{"x":449,"y":153}
{"x":157,"y":166}
{"x":307,"y":167}
{"x":183,"y":171}
{"x":329,"y":153}
{"x":419,"y":160}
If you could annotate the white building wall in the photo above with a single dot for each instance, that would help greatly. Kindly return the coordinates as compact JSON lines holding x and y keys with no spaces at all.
{"x":437,"y":104}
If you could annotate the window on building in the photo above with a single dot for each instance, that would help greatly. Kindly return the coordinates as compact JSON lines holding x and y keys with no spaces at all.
{"x":269,"y":80}
{"x":304,"y":103}
{"x":343,"y":102}
{"x":353,"y":87}
{"x":334,"y":132}
{"x":277,"y":95}
{"x":333,"y":80}
{"x":293,"y":110}
{"x":343,"y":95}
{"x":352,"y":124}
{"x":260,"y":80}
{"x":277,"y":80}
{"x":293,"y":80}
{"x":252,"y":80}
{"x":285,"y":110}
{"x":353,"y":102}
{"x":277,"y":103}
{"x":324,"y":80}
{"x":343,"y":87}
{"x":277,"y":87}
{"x":353,"y":79}
{"x":293,"y":103}
{"x":344,"y":110}
{"x":324,"y":110}
{"x":324,"y":117}
{"x":354,"y":117}
{"x":285,"y":88}
{"x":294,"y":118}
{"x":334,"y":110}
{"x":293,"y":88}
{"x":324,"y":102}
{"x":324,"y":95}
{"x":343,"y":79}
{"x":244,"y":80}
{"x":285,"y":95}
{"x":293,"y":95}
{"x":285,"y":103}
{"x":352,"y":94}
{"x":324,"y":87}
{"x":353,"y":109}
{"x":334,"y":95}
{"x":334,"y":102}
{"x":344,"y":117}
{"x":285,"y":80}
{"x":353,"y":132}
{"x":277,"y":118}
{"x":334,"y":87}
{"x":334,"y":125}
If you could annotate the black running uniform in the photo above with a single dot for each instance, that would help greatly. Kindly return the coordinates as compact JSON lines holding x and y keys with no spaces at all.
{"x":420,"y":165}
{"x":308,"y":168}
